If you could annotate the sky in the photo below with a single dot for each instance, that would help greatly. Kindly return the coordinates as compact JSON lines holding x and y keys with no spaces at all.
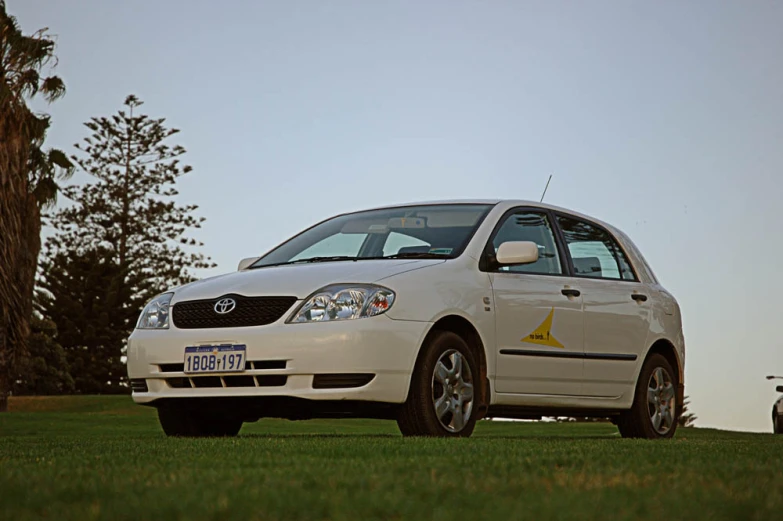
{"x":662,"y":118}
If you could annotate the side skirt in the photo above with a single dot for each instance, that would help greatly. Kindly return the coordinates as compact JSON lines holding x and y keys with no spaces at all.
{"x":517,"y":412}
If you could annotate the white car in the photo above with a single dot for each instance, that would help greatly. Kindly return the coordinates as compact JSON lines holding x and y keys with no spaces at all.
{"x":433,"y":314}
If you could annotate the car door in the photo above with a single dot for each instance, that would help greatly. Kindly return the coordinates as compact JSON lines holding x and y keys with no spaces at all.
{"x":538,"y":312}
{"x":616,"y":308}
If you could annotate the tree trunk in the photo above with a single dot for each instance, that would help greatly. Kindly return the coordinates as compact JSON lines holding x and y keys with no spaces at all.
{"x":20,"y":244}
{"x":5,"y":385}
{"x":11,"y":227}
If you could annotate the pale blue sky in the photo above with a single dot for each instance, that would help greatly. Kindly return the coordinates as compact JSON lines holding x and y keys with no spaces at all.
{"x":663,"y":118}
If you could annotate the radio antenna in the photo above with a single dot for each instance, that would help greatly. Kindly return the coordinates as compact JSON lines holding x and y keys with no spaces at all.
{"x":545,"y":188}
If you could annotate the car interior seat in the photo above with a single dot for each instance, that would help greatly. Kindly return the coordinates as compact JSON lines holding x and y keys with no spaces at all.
{"x":590,"y":266}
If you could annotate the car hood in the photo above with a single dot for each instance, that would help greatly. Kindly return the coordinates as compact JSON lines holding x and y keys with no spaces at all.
{"x":299,"y":280}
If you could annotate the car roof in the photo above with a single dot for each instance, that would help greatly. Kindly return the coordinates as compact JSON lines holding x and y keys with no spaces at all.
{"x":508,"y":203}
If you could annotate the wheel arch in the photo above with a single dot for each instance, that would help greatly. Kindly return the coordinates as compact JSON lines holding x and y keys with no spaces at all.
{"x":467,"y":331}
{"x":666,"y":348}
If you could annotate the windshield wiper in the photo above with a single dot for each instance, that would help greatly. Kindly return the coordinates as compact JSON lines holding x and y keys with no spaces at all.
{"x":324,"y":259}
{"x":308,"y":260}
{"x":406,"y":255}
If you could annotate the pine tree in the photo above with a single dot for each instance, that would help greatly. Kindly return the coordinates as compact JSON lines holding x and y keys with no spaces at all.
{"x":686,"y":419}
{"x":124,"y":235}
{"x":45,"y":370}
{"x":89,"y":299}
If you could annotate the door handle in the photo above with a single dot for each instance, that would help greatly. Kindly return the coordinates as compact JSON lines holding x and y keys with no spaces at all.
{"x":638,"y":297}
{"x":570,"y":292}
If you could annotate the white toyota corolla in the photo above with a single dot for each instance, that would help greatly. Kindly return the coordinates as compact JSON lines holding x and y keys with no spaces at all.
{"x":433,"y":314}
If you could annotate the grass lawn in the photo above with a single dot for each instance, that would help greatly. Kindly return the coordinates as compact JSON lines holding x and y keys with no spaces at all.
{"x":82,"y":458}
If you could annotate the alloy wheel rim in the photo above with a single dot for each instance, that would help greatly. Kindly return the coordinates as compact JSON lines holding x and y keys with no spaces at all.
{"x":661,"y":400}
{"x":452,"y":390}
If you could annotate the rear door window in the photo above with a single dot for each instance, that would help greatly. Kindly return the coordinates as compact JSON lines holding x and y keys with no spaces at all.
{"x":594,"y":253}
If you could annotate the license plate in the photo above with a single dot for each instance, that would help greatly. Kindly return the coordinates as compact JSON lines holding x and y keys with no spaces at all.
{"x":227,"y":358}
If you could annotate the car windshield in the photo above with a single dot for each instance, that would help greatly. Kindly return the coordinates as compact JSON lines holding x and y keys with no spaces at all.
{"x":432,"y":231}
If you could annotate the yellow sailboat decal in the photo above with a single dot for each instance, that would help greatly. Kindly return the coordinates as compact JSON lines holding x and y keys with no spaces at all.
{"x":542,"y":335}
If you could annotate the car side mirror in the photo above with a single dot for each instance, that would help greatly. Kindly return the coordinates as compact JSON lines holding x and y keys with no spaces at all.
{"x":779,"y":388}
{"x":244,"y":263}
{"x":517,"y":252}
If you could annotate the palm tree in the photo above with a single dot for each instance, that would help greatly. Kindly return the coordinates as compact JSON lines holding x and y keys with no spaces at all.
{"x":28,"y":181}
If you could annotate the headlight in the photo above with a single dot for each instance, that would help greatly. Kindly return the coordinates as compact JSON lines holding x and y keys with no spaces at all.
{"x":156,"y":313}
{"x":344,"y":302}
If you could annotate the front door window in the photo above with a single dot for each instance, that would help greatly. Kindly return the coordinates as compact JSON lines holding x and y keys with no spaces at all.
{"x":533,"y":227}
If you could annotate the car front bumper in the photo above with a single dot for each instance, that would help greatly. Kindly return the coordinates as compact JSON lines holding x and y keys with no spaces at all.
{"x":376,"y":346}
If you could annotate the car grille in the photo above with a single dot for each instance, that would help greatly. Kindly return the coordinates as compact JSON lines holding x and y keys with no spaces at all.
{"x":199,"y":382}
{"x":139,"y":385}
{"x":249,"y":311}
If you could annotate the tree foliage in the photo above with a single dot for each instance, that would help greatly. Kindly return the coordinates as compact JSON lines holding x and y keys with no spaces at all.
{"x":28,"y":181}
{"x":89,"y":299}
{"x":122,"y":241}
{"x":687,"y":418}
{"x":45,"y":370}
{"x":129,"y":209}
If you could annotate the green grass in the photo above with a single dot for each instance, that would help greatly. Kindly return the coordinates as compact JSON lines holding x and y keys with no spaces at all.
{"x":82,"y":458}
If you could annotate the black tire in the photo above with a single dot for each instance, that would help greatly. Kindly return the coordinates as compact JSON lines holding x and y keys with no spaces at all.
{"x":638,"y":421}
{"x":777,"y":422}
{"x":417,"y":416}
{"x":195,"y":424}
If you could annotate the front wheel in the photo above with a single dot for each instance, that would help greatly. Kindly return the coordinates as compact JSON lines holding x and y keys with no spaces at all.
{"x":653,"y":414}
{"x":441,"y":398}
{"x":196,"y":424}
{"x":777,"y":422}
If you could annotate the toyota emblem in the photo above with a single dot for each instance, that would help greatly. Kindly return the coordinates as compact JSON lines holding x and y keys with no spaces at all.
{"x":225,"y":305}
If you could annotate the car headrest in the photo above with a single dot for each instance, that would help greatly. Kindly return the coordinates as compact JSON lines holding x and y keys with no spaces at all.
{"x":587,"y":265}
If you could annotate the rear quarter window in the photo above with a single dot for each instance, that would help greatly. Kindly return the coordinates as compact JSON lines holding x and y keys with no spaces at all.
{"x":639,"y":262}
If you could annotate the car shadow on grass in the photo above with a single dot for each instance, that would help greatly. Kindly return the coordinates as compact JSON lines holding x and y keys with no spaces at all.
{"x":285,"y":435}
{"x":368,"y":435}
{"x":556,"y":437}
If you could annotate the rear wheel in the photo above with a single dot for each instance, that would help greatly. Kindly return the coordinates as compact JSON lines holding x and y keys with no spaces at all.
{"x":441,"y":397}
{"x":195,"y":424}
{"x":653,"y":414}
